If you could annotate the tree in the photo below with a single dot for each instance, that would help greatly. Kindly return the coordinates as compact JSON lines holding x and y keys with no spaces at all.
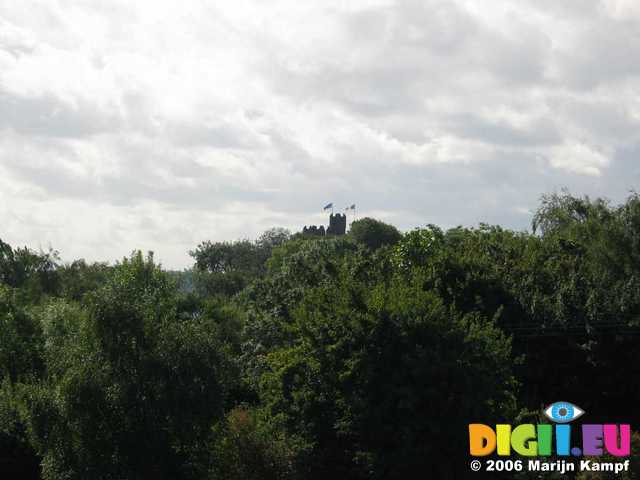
{"x":374,"y":233}
{"x":272,"y":238}
{"x":295,"y":267}
{"x":33,"y":273}
{"x":20,"y":339}
{"x":226,"y":268}
{"x":377,"y":370}
{"x":247,"y":447}
{"x":21,"y":346}
{"x":79,"y":277}
{"x":131,"y":388}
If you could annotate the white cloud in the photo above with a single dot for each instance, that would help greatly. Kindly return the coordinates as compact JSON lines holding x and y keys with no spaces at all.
{"x":578,"y":158}
{"x":159,"y":124}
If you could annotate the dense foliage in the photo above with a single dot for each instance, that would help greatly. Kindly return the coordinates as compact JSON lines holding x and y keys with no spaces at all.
{"x":293,"y":357}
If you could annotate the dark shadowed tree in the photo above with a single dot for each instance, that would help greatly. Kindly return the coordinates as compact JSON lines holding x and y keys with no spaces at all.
{"x":131,"y":387}
{"x":375,"y":368}
{"x":374,"y":233}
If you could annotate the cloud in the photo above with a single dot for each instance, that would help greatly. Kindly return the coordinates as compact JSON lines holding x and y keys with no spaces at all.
{"x":156,"y":125}
{"x":578,"y":158}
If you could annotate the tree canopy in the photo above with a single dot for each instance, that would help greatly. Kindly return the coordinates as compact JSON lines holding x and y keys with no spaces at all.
{"x":290,"y":357}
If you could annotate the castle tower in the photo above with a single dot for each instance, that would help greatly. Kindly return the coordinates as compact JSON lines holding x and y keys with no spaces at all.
{"x":337,"y":224}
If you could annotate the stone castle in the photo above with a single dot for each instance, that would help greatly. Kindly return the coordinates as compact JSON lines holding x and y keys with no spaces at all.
{"x":337,"y":226}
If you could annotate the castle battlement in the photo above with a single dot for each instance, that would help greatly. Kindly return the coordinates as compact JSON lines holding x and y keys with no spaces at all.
{"x":337,"y":226}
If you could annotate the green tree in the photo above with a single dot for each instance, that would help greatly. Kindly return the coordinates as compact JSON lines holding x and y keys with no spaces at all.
{"x":374,"y":233}
{"x":226,"y":268}
{"x":21,"y":346}
{"x":247,"y":447}
{"x":33,"y":273}
{"x":131,"y":387}
{"x":79,"y":277}
{"x":20,"y":339}
{"x":378,"y":375}
{"x":294,"y":267}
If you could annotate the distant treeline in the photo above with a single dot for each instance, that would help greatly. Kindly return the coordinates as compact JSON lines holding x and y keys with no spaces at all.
{"x":362,"y":356}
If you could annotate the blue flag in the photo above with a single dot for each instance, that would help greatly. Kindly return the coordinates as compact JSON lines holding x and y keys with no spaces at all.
{"x":328,"y":206}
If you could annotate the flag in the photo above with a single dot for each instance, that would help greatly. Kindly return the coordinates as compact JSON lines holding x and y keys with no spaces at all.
{"x":352,"y":207}
{"x":328,"y":206}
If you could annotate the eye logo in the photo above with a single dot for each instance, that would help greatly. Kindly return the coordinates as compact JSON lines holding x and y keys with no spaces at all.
{"x":563,"y":412}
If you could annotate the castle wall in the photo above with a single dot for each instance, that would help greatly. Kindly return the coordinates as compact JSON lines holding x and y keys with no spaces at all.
{"x":337,"y":226}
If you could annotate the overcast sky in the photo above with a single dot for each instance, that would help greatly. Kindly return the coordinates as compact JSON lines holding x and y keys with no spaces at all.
{"x":159,"y":124}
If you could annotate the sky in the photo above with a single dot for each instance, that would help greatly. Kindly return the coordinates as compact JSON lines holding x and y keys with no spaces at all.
{"x":156,"y":125}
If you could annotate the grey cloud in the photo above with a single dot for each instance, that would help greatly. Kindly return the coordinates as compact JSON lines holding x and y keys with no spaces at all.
{"x":522,"y":60}
{"x":138,"y":180}
{"x":46,"y":115}
{"x":603,"y":120}
{"x":405,"y":52}
{"x":607,"y":51}
{"x":222,"y":135}
{"x":570,"y":10}
{"x":413,"y":51}
{"x":341,"y":116}
{"x":540,"y":133}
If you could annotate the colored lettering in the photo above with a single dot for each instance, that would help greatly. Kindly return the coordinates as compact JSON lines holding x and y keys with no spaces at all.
{"x":530,"y":440}
{"x":616,"y":449}
{"x":592,"y":440}
{"x":563,"y":440}
{"x":544,"y":440}
{"x":503,"y":433}
{"x":523,"y":440}
{"x":482,"y":440}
